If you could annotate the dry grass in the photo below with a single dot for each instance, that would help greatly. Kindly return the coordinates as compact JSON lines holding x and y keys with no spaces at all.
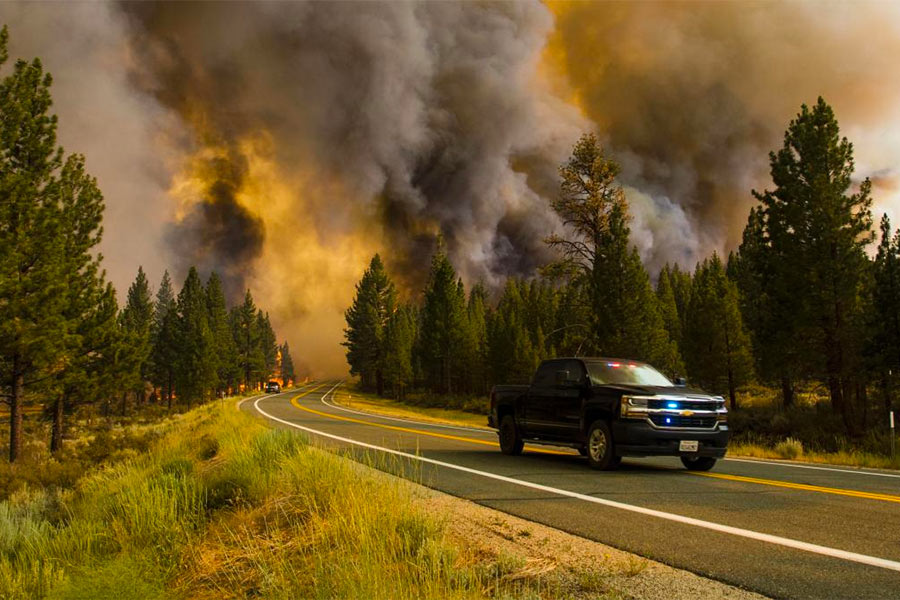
{"x":357,"y":400}
{"x":223,"y":507}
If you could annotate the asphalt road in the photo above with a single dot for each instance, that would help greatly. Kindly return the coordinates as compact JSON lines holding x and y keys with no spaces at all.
{"x":780,"y":530}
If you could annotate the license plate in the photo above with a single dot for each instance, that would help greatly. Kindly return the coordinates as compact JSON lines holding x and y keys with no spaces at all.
{"x":688,"y":446}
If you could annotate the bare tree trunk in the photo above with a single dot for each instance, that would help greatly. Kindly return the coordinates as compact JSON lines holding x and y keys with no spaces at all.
{"x":169,"y":390}
{"x":732,"y":395}
{"x":15,"y":410}
{"x":787,"y":391}
{"x":124,"y":408}
{"x":56,"y":431}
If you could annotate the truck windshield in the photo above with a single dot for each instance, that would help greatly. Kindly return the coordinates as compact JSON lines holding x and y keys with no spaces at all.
{"x":626,"y":373}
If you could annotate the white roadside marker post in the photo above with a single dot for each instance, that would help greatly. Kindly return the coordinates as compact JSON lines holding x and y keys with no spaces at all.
{"x":893,"y":437}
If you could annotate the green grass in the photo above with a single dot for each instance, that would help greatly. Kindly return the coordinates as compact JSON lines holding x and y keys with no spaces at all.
{"x":223,"y":507}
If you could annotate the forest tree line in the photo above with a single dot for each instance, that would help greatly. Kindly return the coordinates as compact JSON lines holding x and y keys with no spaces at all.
{"x":64,"y":341}
{"x":800,"y":301}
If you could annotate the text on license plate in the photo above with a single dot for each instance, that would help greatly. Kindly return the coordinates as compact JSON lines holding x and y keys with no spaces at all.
{"x":688,"y":446}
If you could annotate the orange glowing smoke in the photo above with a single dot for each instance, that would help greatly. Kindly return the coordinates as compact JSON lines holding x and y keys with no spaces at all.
{"x":306,"y":273}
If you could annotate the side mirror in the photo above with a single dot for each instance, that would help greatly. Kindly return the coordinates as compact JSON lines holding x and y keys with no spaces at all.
{"x":680,"y":381}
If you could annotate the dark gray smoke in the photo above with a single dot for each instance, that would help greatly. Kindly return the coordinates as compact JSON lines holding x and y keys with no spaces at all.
{"x":419,"y":110}
{"x":218,"y":233}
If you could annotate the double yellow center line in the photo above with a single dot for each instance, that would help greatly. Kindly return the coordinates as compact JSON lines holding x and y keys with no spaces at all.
{"x":295,"y":401}
{"x":801,"y":486}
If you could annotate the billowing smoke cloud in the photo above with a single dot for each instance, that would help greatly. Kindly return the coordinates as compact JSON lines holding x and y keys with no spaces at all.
{"x":282,"y":144}
{"x":691,"y":98}
{"x":418,"y":110}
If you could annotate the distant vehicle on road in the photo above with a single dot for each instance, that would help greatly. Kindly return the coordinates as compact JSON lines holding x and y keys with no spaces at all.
{"x":608,"y":408}
{"x":273,"y":387}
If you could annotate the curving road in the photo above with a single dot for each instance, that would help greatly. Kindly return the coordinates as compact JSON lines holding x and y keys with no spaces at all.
{"x":784,"y":530}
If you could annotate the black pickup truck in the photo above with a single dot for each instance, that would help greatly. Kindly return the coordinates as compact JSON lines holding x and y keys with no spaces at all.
{"x":608,"y":408}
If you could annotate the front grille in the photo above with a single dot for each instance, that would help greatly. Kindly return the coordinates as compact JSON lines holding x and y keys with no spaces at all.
{"x":674,"y":421}
{"x":682,"y":404}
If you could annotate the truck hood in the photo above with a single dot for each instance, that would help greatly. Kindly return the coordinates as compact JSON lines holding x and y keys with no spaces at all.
{"x":652,"y":390}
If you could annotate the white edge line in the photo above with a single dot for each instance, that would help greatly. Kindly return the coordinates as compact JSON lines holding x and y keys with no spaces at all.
{"x":814,"y":467}
{"x":745,"y":533}
{"x":333,"y":404}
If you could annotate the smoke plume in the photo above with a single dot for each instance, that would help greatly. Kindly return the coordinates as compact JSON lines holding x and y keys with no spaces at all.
{"x":282,"y":144}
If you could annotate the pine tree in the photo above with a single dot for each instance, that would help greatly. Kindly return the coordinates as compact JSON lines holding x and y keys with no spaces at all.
{"x":624,"y":317}
{"x":163,"y":339}
{"x":224,"y":349}
{"x":716,"y":345}
{"x":195,"y":367}
{"x":885,"y":321}
{"x":91,"y":371}
{"x":50,"y":213}
{"x":287,"y":365}
{"x":441,"y":336}
{"x":367,"y":318}
{"x":476,"y":344}
{"x":136,"y":321}
{"x":268,"y":346}
{"x":245,"y":330}
{"x":512,"y":351}
{"x":400,"y":337}
{"x":668,"y":306}
{"x":772,"y":326}
{"x":817,"y":232}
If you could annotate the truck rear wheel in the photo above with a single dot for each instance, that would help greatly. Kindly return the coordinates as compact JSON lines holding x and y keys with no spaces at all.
{"x":600,"y":449}
{"x":698,"y":463}
{"x":510,"y":441}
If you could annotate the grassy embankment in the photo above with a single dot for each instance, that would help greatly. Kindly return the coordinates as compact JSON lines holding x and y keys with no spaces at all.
{"x":807,"y":432}
{"x":222,"y":506}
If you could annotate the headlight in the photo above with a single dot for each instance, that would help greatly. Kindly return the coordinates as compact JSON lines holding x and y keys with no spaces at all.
{"x":630,"y":403}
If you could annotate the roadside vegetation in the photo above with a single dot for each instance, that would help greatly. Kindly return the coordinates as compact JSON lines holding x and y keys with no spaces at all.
{"x":221,"y":506}
{"x":799,"y":328}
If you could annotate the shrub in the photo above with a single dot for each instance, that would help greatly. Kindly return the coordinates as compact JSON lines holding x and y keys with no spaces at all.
{"x":790,"y":448}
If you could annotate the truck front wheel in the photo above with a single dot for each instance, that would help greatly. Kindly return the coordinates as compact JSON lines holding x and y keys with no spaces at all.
{"x":600,"y":451}
{"x":510,"y":441}
{"x":698,"y":463}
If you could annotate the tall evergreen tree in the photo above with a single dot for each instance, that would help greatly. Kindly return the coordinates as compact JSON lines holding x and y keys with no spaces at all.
{"x":93,"y":372}
{"x":441,"y":336}
{"x":668,"y":306}
{"x":268,"y":346}
{"x":624,"y":315}
{"x":43,"y":237}
{"x":195,"y":367}
{"x":400,"y":337}
{"x":476,"y":343}
{"x":224,"y":349}
{"x":164,"y":339}
{"x":513,"y":354}
{"x":136,"y":322}
{"x":817,"y":232}
{"x":772,"y":324}
{"x":716,"y":345}
{"x":287,"y":365}
{"x":367,"y":319}
{"x":885,"y":322}
{"x":245,"y":330}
